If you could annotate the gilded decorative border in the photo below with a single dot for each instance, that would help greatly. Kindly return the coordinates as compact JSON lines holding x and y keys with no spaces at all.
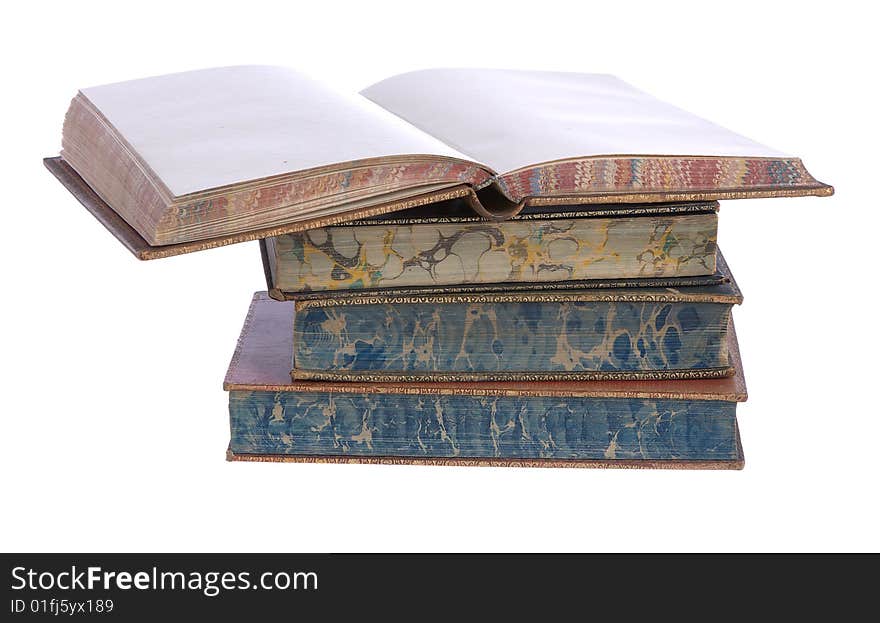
{"x":590,"y":284}
{"x":671,"y":296}
{"x":600,"y":211}
{"x":528,"y":377}
{"x":556,"y":390}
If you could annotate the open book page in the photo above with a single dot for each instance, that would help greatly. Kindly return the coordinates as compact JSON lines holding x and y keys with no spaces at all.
{"x":509,"y":120}
{"x":223,"y":153}
{"x":216,"y":127}
{"x":558,"y":137}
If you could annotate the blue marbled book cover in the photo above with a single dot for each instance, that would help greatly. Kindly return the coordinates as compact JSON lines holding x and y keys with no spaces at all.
{"x":675,"y":424}
{"x":534,"y":339}
{"x":599,"y":333}
{"x":538,"y":427}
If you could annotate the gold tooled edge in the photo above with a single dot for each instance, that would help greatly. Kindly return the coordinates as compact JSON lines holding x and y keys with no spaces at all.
{"x":672,"y":295}
{"x":345,"y":376}
{"x":714,"y":279}
{"x":602,"y":211}
{"x":329,"y":387}
{"x":736,"y":463}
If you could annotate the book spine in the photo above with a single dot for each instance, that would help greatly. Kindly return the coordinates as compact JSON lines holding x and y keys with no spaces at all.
{"x":394,"y":255}
{"x":406,"y":425}
{"x":520,"y":340}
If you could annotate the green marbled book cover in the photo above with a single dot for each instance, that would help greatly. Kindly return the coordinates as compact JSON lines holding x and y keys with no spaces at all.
{"x":559,"y":247}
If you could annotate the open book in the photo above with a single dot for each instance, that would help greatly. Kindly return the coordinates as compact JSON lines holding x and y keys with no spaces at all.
{"x":238,"y":153}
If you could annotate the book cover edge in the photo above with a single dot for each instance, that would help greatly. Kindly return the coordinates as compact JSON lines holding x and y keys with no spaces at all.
{"x":141,"y":249}
{"x":641,"y":389}
{"x":736,"y":463}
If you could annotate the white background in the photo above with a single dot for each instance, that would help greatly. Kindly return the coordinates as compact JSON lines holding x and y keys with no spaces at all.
{"x":114,"y":423}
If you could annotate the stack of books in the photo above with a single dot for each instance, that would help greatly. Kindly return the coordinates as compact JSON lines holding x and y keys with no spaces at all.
{"x":464,"y":266}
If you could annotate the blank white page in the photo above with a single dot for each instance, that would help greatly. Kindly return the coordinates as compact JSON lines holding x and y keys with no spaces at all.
{"x":513,"y":119}
{"x":203,"y":129}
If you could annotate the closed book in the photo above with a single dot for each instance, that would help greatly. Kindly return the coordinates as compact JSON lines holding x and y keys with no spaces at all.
{"x":603,"y":333}
{"x":564,"y":245}
{"x":666,"y":424}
